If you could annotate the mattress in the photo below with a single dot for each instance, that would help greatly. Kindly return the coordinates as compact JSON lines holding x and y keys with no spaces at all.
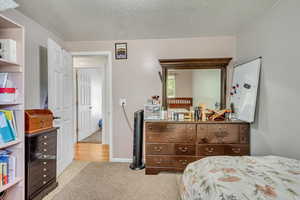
{"x":241,"y":178}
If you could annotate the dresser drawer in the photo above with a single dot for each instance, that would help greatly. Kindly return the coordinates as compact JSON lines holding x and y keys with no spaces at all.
{"x":185,"y":149}
{"x":237,"y":150}
{"x":169,"y":161}
{"x":210,"y":150}
{"x":170,"y":149}
{"x":170,"y":133}
{"x":33,"y":188}
{"x":41,"y":166}
{"x":160,"y":149}
{"x":218,"y":134}
{"x":40,"y":173}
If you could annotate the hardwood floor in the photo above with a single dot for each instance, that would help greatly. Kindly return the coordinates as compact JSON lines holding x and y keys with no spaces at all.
{"x":94,"y":138}
{"x":92,"y":152}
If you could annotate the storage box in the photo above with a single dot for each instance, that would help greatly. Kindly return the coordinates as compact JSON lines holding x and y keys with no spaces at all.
{"x":152,"y":112}
{"x":8,"y":95}
{"x":8,"y":50}
{"x":37,"y":120}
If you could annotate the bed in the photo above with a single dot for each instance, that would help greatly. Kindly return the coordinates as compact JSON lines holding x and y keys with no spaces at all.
{"x":241,"y":178}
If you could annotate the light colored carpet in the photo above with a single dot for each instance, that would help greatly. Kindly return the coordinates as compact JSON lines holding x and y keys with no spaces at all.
{"x":115,"y":181}
{"x":94,"y":138}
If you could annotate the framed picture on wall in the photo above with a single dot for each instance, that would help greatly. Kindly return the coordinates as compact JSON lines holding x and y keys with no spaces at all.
{"x":121,"y":51}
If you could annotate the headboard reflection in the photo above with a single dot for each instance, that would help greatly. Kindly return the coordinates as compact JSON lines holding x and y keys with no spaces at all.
{"x":180,"y":103}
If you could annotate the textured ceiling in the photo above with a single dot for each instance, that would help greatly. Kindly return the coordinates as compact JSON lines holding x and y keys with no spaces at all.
{"x":85,"y":20}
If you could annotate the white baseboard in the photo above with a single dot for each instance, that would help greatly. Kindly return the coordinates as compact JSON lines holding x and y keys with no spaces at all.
{"x":123,"y":160}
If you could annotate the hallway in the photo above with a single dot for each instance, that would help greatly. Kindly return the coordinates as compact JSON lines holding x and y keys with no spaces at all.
{"x":92,"y":152}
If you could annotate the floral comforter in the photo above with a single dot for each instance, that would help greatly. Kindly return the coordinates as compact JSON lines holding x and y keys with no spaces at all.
{"x":242,"y":178}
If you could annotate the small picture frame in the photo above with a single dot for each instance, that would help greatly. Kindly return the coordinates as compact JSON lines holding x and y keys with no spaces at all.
{"x":121,"y":51}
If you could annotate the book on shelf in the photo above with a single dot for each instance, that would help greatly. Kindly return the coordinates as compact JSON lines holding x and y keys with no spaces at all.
{"x":7,"y":167}
{"x":8,"y":126}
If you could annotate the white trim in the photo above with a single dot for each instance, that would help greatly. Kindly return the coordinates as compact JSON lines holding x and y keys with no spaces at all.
{"x":123,"y":160}
{"x":108,"y":99}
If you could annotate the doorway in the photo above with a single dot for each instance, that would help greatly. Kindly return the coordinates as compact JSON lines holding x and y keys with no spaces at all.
{"x":92,"y":120}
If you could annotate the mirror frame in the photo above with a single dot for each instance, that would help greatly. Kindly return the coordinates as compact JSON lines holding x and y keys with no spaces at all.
{"x":195,"y":63}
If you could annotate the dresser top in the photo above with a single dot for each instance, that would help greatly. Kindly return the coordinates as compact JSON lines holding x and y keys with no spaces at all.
{"x":196,"y":122}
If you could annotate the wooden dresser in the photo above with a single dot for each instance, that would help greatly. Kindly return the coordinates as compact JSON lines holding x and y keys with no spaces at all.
{"x":40,"y":163}
{"x":172,"y":145}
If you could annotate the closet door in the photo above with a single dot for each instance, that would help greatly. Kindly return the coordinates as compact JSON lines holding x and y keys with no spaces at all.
{"x":84,"y":103}
{"x":60,"y":87}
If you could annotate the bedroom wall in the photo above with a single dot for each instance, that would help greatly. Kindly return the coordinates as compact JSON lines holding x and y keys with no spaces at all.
{"x":35,"y":36}
{"x":136,"y":78}
{"x":275,"y":37}
{"x":206,"y":87}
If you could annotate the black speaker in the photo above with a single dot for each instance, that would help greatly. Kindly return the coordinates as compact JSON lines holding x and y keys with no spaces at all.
{"x":137,"y":159}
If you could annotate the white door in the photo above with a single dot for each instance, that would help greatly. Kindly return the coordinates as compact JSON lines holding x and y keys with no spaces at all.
{"x":60,"y":101}
{"x":84,"y":103}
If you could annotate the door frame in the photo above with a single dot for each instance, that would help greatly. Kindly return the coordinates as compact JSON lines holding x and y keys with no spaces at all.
{"x":108,"y":118}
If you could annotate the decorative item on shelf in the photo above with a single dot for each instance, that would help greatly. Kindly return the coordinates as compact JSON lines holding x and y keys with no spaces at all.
{"x":155,"y":100}
{"x":218,"y":115}
{"x":203,"y":112}
{"x":8,"y":95}
{"x":8,"y":50}
{"x":153,"y":109}
{"x":120,"y":51}
{"x":197,"y":114}
{"x":3,"y":80}
{"x":37,"y":120}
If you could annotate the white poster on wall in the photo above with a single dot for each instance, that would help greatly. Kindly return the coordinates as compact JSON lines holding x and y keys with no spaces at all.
{"x":244,"y":90}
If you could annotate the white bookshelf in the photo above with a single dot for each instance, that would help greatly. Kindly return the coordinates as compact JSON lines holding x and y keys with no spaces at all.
{"x":11,"y":30}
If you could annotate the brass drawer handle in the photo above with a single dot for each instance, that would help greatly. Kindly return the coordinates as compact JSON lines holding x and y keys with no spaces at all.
{"x":204,"y":140}
{"x":45,"y":143}
{"x":159,"y":162}
{"x":45,"y":136}
{"x":44,"y":169}
{"x":45,"y":176}
{"x":221,"y":134}
{"x":183,"y":162}
{"x":210,"y":150}
{"x":183,"y":149}
{"x":44,"y":182}
{"x":44,"y":163}
{"x":236,"y":150}
{"x":158,"y":149}
{"x":45,"y":150}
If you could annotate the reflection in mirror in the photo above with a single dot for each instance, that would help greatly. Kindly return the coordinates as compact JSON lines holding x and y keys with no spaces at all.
{"x":43,"y":77}
{"x":190,"y":88}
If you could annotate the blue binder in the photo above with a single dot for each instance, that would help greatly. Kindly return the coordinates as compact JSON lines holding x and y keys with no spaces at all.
{"x":6,"y":131}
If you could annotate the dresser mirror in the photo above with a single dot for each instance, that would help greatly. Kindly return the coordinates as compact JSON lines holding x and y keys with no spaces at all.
{"x":188,"y":83}
{"x":188,"y":88}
